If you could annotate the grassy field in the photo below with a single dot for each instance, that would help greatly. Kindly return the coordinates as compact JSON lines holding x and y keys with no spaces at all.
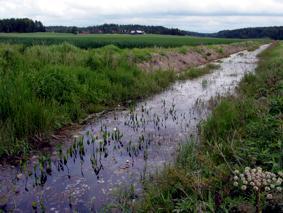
{"x":243,"y":131}
{"x":100,"y":40}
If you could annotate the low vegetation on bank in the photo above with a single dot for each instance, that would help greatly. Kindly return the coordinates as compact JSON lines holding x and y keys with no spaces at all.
{"x":183,"y":58}
{"x":242,"y":132}
{"x":197,"y":72}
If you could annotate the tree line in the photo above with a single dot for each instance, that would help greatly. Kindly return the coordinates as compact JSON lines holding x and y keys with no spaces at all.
{"x":245,"y":33}
{"x":256,"y":32}
{"x":20,"y":25}
{"x":115,"y":28}
{"x":25,"y":25}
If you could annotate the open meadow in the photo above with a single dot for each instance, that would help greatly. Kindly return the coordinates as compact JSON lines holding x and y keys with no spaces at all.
{"x":120,"y":40}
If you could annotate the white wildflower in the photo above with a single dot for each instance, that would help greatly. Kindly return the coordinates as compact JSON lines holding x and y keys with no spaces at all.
{"x":247,"y":169}
{"x":279,"y":181}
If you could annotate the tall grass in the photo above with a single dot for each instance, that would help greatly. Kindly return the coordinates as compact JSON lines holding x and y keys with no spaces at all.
{"x":43,"y":88}
{"x":242,"y":131}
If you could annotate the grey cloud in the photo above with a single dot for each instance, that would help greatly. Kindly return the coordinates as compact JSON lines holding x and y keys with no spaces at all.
{"x":195,"y":15}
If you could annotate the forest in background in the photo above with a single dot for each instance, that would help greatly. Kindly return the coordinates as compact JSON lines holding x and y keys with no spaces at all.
{"x":20,"y":25}
{"x":25,"y":25}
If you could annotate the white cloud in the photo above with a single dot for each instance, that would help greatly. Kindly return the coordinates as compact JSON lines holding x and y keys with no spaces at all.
{"x":197,"y":15}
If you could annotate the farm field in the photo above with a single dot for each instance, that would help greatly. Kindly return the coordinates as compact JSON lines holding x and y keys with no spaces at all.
{"x":100,"y":40}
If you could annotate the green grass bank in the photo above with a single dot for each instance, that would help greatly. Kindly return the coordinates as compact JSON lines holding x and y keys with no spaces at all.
{"x":243,"y":131}
{"x":43,"y":88}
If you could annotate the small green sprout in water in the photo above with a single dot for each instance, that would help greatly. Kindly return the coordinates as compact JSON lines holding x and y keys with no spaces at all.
{"x":34,"y":205}
{"x":260,"y":182}
{"x":204,"y":83}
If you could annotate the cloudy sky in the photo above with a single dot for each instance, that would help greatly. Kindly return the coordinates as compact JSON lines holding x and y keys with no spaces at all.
{"x":194,"y":15}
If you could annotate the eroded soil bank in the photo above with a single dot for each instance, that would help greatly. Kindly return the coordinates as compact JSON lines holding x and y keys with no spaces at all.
{"x":184,"y":59}
{"x":117,"y":151}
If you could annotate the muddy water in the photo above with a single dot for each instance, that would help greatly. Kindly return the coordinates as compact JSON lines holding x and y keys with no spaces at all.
{"x":120,"y":149}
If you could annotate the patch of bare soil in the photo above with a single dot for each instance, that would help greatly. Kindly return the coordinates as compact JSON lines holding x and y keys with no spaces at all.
{"x":198,"y":56}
